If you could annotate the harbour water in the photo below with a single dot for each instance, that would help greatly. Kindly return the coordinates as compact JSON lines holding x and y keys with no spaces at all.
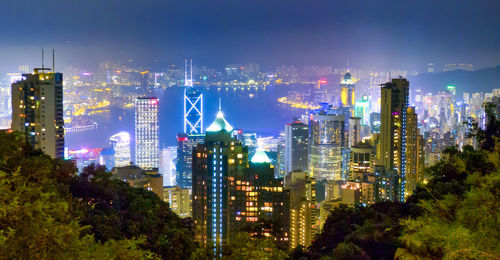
{"x":250,"y":109}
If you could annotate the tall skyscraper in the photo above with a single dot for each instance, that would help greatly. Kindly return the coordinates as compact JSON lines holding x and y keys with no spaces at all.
{"x":354,"y":131}
{"x":362,"y":161}
{"x":296,"y":147}
{"x":168,"y":159}
{"x":362,"y":110}
{"x":393,"y":124}
{"x":303,"y":212}
{"x":414,"y":153}
{"x":193,"y":103}
{"x":184,"y":167}
{"x":347,"y":95}
{"x":147,"y":146}
{"x":37,"y":110}
{"x":216,"y":164}
{"x":326,"y":143}
{"x":121,"y":145}
{"x":361,"y":174}
{"x":229,"y":192}
{"x":249,"y":139}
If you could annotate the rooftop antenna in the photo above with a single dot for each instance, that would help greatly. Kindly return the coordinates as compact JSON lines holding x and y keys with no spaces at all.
{"x":42,"y":59}
{"x":348,"y":69}
{"x":188,"y":81}
{"x":53,"y":59}
{"x":185,"y":72}
{"x":220,"y":107}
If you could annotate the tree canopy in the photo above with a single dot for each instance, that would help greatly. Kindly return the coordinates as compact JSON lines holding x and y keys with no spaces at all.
{"x":48,"y":211}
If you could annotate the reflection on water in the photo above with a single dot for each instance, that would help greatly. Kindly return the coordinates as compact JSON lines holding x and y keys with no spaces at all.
{"x":251,"y":109}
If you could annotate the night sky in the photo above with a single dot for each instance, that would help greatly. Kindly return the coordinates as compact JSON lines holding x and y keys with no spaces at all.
{"x":385,"y":34}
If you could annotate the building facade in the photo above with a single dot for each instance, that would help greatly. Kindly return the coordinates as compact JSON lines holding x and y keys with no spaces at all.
{"x":303,"y":212}
{"x":178,"y":199}
{"x":121,"y":145}
{"x":393,"y":130}
{"x":184,"y":166}
{"x":37,"y":110}
{"x":347,"y":92}
{"x":415,"y":156}
{"x":147,"y":131}
{"x":193,"y":111}
{"x":326,"y":144}
{"x":296,"y":147}
{"x":231,"y":193}
{"x":168,"y":159}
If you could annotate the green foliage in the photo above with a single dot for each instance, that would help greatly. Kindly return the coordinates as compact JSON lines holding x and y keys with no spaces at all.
{"x":115,"y":210}
{"x":360,"y":232}
{"x":244,"y":246}
{"x":48,"y":212}
{"x":459,"y":225}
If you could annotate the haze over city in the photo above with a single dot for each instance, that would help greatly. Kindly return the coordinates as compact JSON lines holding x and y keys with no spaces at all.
{"x":385,"y":35}
{"x":149,"y":129}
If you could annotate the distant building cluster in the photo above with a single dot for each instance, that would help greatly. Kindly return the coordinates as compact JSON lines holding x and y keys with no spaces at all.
{"x":349,"y":144}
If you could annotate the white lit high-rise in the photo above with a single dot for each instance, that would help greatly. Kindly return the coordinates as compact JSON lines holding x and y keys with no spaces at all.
{"x":147,"y":148}
{"x":121,"y":146}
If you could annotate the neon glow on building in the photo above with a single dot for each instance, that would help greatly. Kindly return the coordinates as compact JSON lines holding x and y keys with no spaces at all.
{"x":121,"y":145}
{"x":193,"y":104}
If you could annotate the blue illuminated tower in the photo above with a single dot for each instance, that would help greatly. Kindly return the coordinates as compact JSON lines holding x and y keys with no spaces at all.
{"x":193,"y":103}
{"x":215,"y":165}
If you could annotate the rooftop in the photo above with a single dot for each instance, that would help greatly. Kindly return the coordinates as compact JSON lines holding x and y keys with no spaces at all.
{"x":220,"y":124}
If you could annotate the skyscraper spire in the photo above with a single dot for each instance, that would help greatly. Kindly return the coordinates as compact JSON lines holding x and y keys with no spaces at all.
{"x":188,"y":82}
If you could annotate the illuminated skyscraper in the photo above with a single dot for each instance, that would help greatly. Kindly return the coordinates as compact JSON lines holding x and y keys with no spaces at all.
{"x":414,"y":153}
{"x":249,"y":139}
{"x":168,"y":160}
{"x":296,"y":147}
{"x":193,"y":104}
{"x":362,"y":110}
{"x":303,"y":212}
{"x":229,"y":192}
{"x":326,"y":144}
{"x":147,"y":147}
{"x":361,"y":172}
{"x":184,"y":167}
{"x":37,"y":110}
{"x":393,"y":123}
{"x":215,"y":165}
{"x":362,"y":161}
{"x":121,"y":145}
{"x":354,"y":131}
{"x":347,"y":88}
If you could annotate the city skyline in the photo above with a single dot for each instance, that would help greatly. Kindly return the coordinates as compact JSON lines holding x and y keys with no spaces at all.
{"x":250,"y":129}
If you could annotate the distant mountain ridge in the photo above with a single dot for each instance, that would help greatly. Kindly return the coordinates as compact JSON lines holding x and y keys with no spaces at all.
{"x":483,"y":80}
